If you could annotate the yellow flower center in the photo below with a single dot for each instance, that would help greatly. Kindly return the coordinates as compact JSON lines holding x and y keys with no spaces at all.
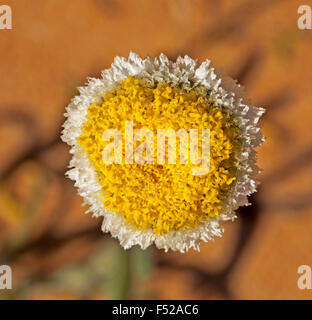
{"x":163,"y":197}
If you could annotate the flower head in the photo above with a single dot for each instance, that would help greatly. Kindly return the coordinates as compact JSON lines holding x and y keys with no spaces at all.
{"x":123,"y":131}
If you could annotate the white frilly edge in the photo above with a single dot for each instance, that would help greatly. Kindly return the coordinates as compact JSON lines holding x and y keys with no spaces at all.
{"x":224,"y":91}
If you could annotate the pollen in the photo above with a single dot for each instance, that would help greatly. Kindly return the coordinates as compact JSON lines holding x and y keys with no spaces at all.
{"x":162,"y":197}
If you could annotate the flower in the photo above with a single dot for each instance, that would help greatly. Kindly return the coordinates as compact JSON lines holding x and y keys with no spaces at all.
{"x":148,"y":202}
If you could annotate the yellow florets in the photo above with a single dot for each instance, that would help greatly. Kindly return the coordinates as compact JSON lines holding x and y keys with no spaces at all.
{"x":161,"y":197}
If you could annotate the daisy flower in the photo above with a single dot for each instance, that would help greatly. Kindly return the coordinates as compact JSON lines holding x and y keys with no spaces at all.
{"x":152,"y":201}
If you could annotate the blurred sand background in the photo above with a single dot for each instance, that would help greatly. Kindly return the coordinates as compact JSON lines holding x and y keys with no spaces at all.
{"x":58,"y":252}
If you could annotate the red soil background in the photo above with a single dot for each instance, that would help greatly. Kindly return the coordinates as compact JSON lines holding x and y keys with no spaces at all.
{"x":58,"y":252}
